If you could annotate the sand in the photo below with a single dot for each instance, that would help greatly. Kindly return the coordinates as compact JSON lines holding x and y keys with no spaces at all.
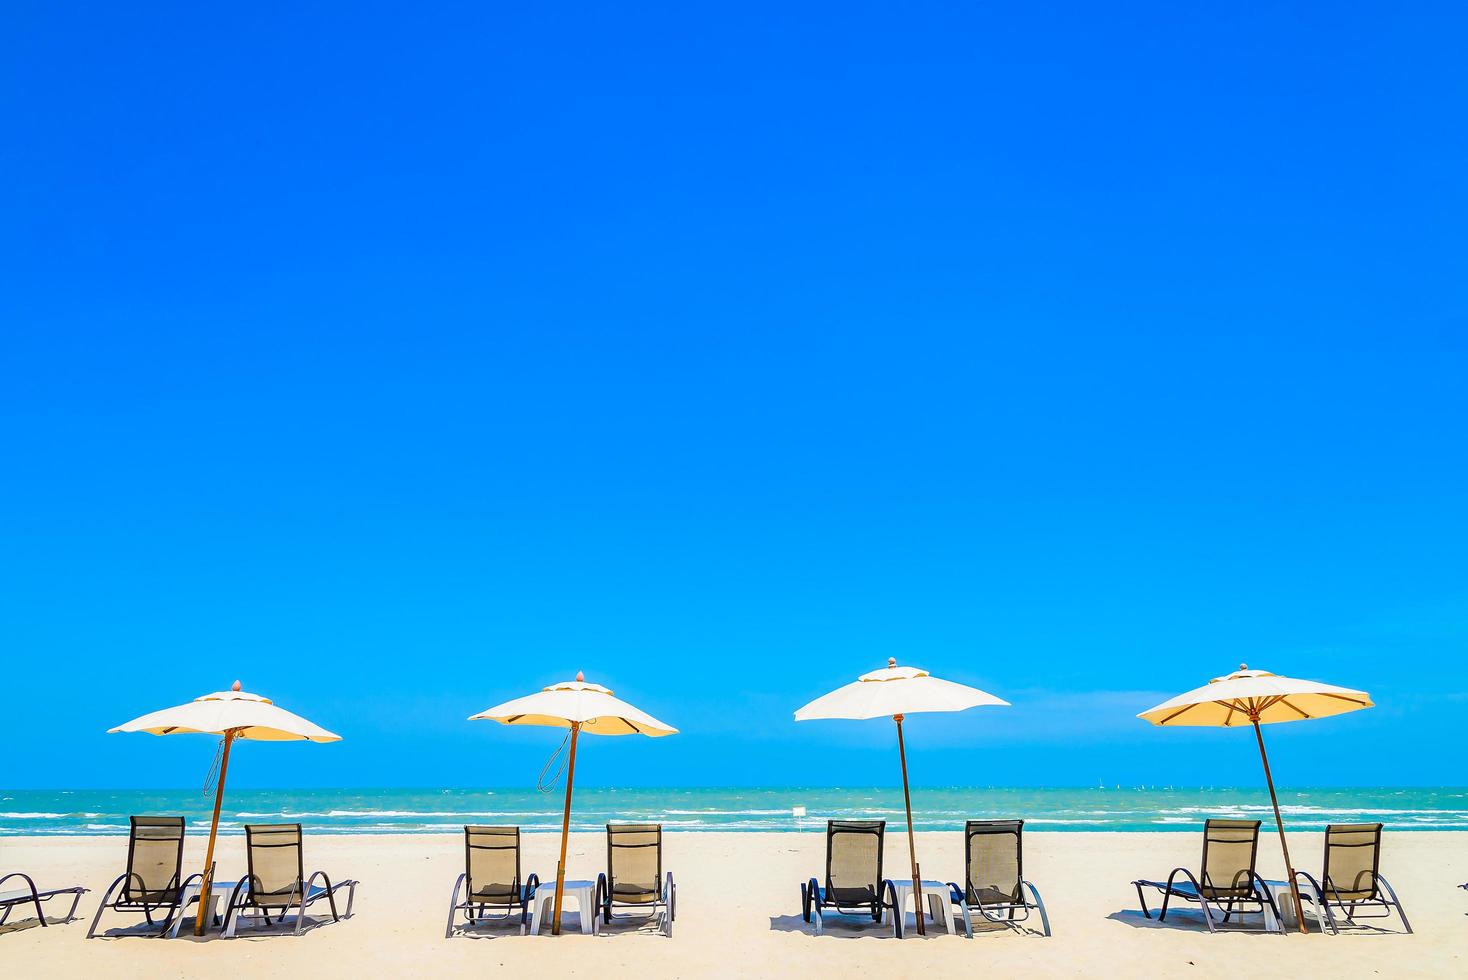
{"x":739,"y":915}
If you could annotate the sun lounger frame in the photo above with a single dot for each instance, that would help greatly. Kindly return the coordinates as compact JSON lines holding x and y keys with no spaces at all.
{"x":663,"y":905}
{"x":524,"y":892}
{"x":1326,"y":895}
{"x":171,"y":895}
{"x":31,"y":895}
{"x":816,"y":897}
{"x":304,"y":892}
{"x":1010,"y":913}
{"x":1253,"y":893}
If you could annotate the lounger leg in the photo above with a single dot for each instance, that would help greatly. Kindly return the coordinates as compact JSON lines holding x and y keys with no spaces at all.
{"x":1207,"y":915}
{"x":453,"y":907}
{"x":1039,"y":907}
{"x":1391,"y":893}
{"x":106,"y":896}
{"x":76,"y":900}
{"x":1142,"y":899}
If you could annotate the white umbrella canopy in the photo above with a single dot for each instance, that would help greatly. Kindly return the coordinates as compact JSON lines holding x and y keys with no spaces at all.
{"x":245,"y":715}
{"x":1245,"y":695}
{"x":1254,"y":698}
{"x":896,"y":692}
{"x":234,"y":714}
{"x":591,"y":707}
{"x":581,"y":707}
{"x":892,"y":691}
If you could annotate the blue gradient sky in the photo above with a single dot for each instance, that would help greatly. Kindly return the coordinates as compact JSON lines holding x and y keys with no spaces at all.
{"x":397,"y":363}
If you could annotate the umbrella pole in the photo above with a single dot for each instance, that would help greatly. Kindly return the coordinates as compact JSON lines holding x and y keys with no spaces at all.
{"x":917,"y":884}
{"x":1279,"y":823}
{"x":201,"y":918}
{"x":565,"y":831}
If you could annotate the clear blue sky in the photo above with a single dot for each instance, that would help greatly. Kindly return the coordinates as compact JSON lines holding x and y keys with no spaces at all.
{"x":399,"y":362}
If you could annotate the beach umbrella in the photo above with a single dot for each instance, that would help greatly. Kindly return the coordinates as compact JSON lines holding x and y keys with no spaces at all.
{"x":1257,"y":697}
{"x":897,"y":692}
{"x":581,"y":707}
{"x":233,"y":714}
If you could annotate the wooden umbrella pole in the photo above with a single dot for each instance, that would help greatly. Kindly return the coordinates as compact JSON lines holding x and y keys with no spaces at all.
{"x":1279,"y":824}
{"x":201,"y":918}
{"x":917,"y":884}
{"x":565,"y":832}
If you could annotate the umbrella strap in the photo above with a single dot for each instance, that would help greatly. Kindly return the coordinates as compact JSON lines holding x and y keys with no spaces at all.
{"x":212,"y":776}
{"x":560,"y":753}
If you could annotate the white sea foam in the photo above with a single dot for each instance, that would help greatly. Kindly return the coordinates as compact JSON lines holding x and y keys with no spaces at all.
{"x":33,"y":816}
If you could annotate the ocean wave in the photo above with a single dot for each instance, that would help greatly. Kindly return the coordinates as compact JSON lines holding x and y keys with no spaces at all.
{"x":728,"y":813}
{"x":34,"y":816}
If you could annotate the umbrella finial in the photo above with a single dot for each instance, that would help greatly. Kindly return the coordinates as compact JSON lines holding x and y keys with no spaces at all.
{"x":1243,"y":666}
{"x":891,"y":662}
{"x":235,"y":686}
{"x":580,"y":677}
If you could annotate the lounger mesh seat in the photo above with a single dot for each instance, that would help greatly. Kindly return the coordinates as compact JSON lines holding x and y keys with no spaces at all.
{"x":18,"y":889}
{"x":1350,"y":878}
{"x":1229,"y":883}
{"x":491,"y":878}
{"x":994,"y":883}
{"x":276,"y":881}
{"x":634,"y":875}
{"x":152,"y":882}
{"x":853,"y":884}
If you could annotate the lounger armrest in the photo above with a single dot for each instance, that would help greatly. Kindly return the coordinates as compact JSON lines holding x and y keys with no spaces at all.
{"x":602,"y":899}
{"x":1383,"y":884}
{"x":531,"y":883}
{"x":955,"y":894}
{"x":889,"y":887}
{"x":810,"y":894}
{"x":1197,"y":888}
{"x":30,"y":882}
{"x":1310,"y":880}
{"x":306,"y":888}
{"x":237,"y":898}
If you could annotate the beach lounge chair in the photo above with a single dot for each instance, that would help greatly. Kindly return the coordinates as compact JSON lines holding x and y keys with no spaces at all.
{"x":854,"y":884}
{"x":1350,"y":879}
{"x":152,"y":882}
{"x":22,"y":891}
{"x":276,"y":882}
{"x":994,"y":883}
{"x":1229,"y":882}
{"x":634,"y":875}
{"x":491,"y":878}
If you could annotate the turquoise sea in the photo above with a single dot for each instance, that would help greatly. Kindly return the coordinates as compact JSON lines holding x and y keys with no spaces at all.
{"x":402,"y":811}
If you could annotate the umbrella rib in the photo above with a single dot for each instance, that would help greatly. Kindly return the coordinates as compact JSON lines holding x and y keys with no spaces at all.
{"x":1228,"y":717}
{"x":1295,"y":708}
{"x":1342,"y":697}
{"x":1178,"y":713}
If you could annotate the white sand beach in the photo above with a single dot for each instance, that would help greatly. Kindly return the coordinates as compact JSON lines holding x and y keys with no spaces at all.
{"x":739,"y":915}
